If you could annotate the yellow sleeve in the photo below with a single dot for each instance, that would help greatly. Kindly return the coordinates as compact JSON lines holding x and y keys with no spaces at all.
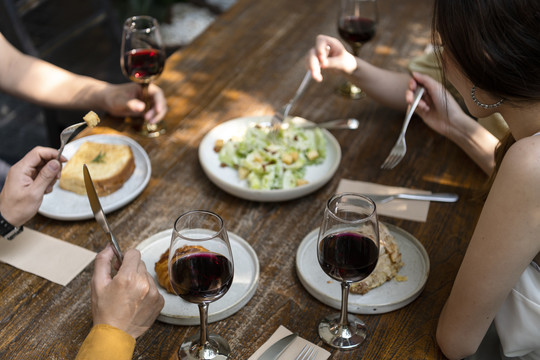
{"x":105,"y":342}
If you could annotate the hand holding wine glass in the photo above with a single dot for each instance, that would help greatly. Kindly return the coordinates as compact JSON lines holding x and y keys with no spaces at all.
{"x":348,"y":251}
{"x":357,"y":23}
{"x":201,"y":271}
{"x":142,"y":60}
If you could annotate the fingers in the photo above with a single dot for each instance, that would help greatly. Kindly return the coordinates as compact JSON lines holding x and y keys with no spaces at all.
{"x":314,"y":66}
{"x":102,"y":266}
{"x":131,"y":262}
{"x":47,"y":176}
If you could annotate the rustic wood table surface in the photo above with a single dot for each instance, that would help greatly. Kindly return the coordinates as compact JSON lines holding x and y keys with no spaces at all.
{"x":250,"y":62}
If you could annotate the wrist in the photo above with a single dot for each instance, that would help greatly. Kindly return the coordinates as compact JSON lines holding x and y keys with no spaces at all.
{"x":7,"y":229}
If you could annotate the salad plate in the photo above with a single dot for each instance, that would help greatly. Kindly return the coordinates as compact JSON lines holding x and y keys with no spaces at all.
{"x":390,"y":296}
{"x":228,"y":179}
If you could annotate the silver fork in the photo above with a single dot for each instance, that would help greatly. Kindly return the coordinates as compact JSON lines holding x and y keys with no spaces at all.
{"x":308,"y":353}
{"x":65,"y":136}
{"x":282,"y":114}
{"x":400,"y":147}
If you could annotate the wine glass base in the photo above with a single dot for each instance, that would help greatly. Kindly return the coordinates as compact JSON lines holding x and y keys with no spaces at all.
{"x":351,"y":91}
{"x":342,"y":337}
{"x":145,"y":129}
{"x":216,"y":348}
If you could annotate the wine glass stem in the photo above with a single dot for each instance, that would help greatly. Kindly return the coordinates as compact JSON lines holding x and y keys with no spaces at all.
{"x":344,"y":303}
{"x":145,"y":97}
{"x":203,"y":312}
{"x":356,"y":50}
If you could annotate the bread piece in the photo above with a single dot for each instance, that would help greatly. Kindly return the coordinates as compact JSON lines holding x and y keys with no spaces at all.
{"x":387,"y":267}
{"x":110,"y":166}
{"x":162,"y":265}
{"x":91,"y":119}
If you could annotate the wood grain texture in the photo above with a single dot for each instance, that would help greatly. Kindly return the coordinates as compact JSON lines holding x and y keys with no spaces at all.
{"x":250,"y":62}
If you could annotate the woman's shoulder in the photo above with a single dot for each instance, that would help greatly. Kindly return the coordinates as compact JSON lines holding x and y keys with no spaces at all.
{"x":521,"y":163}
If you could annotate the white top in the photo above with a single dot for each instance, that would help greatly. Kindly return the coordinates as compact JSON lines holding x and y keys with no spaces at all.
{"x":518,"y":320}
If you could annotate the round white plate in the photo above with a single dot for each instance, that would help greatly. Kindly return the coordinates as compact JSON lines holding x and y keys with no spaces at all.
{"x":180,"y":312}
{"x":66,"y":205}
{"x":390,"y":296}
{"x":227,"y":178}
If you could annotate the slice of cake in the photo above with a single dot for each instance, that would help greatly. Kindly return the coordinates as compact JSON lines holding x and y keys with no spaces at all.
{"x":110,"y":166}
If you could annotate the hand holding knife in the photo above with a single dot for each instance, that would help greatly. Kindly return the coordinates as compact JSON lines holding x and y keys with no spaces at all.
{"x":99,"y":215}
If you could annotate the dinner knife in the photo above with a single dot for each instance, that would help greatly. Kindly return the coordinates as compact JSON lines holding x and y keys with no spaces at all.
{"x":99,"y":215}
{"x":273,"y":352}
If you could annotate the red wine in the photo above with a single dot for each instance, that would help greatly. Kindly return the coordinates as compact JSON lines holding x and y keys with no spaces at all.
{"x":348,"y":256}
{"x":201,"y":277}
{"x":143,"y":65}
{"x":356,"y":30}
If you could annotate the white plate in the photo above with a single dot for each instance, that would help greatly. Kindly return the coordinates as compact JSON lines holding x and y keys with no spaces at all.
{"x":180,"y":312}
{"x":390,"y":296}
{"x":66,"y":205}
{"x":227,"y":178}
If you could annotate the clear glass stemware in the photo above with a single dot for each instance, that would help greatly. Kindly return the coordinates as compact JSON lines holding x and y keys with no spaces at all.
{"x":201,"y":271}
{"x":348,"y":251}
{"x":142,"y":60}
{"x":357,"y":24}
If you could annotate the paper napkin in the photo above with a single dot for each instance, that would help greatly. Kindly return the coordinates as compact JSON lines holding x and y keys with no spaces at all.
{"x":403,"y":209}
{"x":292,"y":351}
{"x":45,"y":256}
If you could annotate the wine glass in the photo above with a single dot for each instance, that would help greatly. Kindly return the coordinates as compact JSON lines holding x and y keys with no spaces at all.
{"x":357,"y":21}
{"x":201,"y":271}
{"x":142,"y":60}
{"x":348,"y":251}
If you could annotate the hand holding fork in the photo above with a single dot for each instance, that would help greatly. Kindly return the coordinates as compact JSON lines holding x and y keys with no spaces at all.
{"x":400,"y":147}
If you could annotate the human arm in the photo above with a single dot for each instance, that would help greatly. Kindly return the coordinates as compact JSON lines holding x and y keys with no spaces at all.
{"x":45,"y":84}
{"x":384,"y":86}
{"x":26,"y":183}
{"x":442,"y":113}
{"x":503,"y":244}
{"x":123,"y":307}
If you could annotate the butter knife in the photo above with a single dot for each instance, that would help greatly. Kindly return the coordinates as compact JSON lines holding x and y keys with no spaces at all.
{"x":273,"y":352}
{"x":439,"y":197}
{"x":98,"y":212}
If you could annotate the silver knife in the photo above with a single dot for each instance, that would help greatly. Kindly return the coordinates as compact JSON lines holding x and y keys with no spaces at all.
{"x":273,"y":352}
{"x":440,"y":197}
{"x":98,"y":212}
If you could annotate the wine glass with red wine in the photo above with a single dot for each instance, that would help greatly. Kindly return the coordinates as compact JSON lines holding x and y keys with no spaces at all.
{"x":357,"y":22}
{"x":201,"y":271}
{"x":142,"y":60}
{"x":348,"y":251}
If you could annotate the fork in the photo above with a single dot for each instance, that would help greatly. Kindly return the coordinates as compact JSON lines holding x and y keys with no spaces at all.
{"x":400,"y":147}
{"x":282,"y":114}
{"x":308,"y":353}
{"x":66,"y":135}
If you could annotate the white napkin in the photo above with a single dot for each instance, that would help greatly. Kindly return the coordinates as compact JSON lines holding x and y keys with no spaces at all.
{"x":45,"y":256}
{"x":293,"y":350}
{"x":403,"y":209}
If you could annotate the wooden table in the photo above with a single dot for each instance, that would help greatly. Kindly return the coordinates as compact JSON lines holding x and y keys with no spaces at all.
{"x":249,"y":62}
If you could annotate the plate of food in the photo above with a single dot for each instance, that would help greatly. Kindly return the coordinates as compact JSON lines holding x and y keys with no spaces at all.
{"x":180,"y":312}
{"x":120,"y":170}
{"x":398,"y":279}
{"x":243,"y":159}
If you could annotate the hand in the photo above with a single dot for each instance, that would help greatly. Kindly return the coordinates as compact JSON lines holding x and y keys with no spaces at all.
{"x":438,"y":108}
{"x":26,"y":183}
{"x":125,"y":100}
{"x":329,"y":53}
{"x":130,"y":301}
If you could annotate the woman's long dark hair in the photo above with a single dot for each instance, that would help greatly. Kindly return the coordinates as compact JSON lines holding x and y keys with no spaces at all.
{"x":496,"y":44}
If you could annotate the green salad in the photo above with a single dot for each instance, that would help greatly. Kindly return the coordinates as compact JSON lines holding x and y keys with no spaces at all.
{"x":270,"y":162}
